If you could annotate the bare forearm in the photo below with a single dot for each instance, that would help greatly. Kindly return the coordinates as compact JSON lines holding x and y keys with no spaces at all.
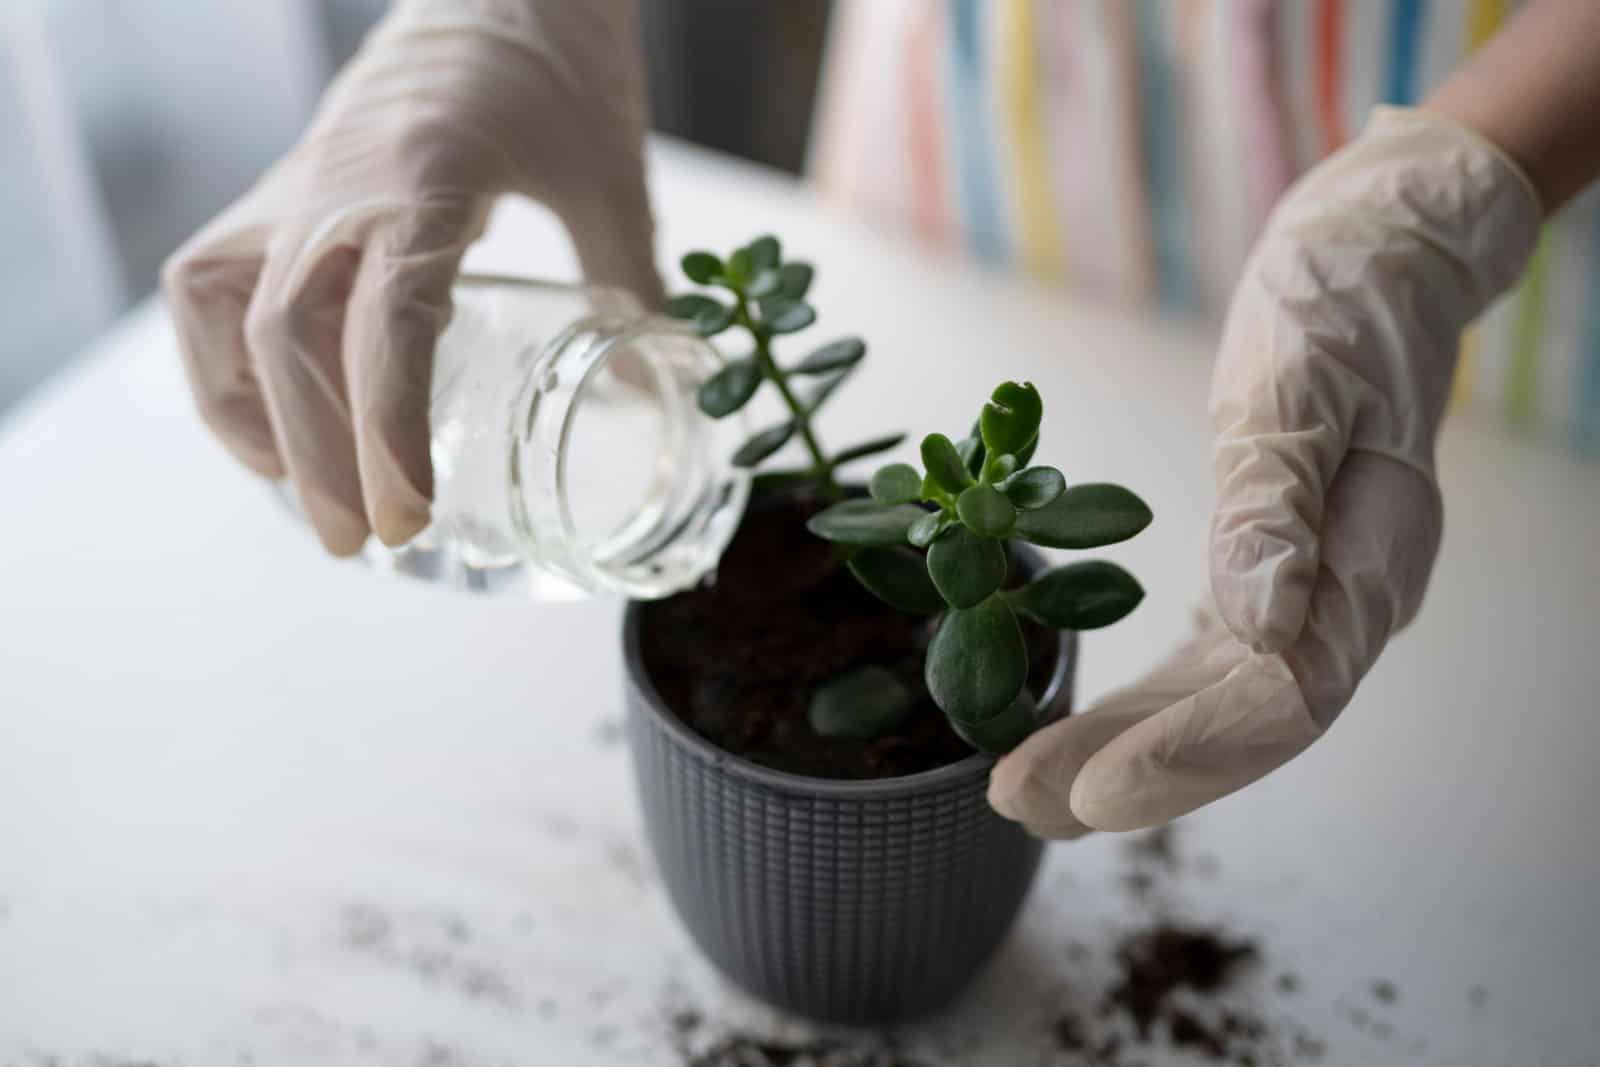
{"x":1534,"y":90}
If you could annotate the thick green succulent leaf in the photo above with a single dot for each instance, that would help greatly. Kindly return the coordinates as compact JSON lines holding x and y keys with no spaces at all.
{"x":739,"y":268}
{"x":998,"y":468}
{"x":1026,"y":455}
{"x":781,"y":480}
{"x":966,"y":568}
{"x":819,"y":396}
{"x":764,"y":253}
{"x":975,"y":453}
{"x":977,"y":662}
{"x":1085,"y":516}
{"x":1010,"y":420}
{"x":945,"y":468}
{"x":897,"y":576}
{"x":763,"y":445}
{"x":701,"y":267}
{"x":1033,"y":488}
{"x":985,"y":510}
{"x":867,"y":448}
{"x":713,"y":320}
{"x":926,"y":530}
{"x":1079,"y":596}
{"x":781,"y":315}
{"x":765,"y":284}
{"x":1003,"y":732}
{"x":970,"y":449}
{"x":796,"y":278}
{"x":690,"y":305}
{"x":864,"y":704}
{"x":845,"y":352}
{"x":898,"y":483}
{"x":864,"y":522}
{"x":730,"y":388}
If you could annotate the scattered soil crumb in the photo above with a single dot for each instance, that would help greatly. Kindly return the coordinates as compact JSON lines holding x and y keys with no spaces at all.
{"x":1384,"y":991}
{"x":1157,"y":962}
{"x":1138,"y":883}
{"x":1309,"y":1047}
{"x":1477,"y":996}
{"x":1288,"y":983}
{"x":1069,"y":1034}
{"x":745,"y":1050}
{"x":1157,"y":846}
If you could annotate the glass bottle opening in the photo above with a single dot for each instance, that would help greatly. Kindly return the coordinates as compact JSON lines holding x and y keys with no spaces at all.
{"x":617,"y":478}
{"x":570,"y":455}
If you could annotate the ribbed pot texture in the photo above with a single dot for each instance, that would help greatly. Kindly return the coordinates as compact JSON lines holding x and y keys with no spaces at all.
{"x":849,"y":901}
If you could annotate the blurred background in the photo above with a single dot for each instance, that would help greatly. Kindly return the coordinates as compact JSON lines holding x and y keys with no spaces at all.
{"x":126,"y":124}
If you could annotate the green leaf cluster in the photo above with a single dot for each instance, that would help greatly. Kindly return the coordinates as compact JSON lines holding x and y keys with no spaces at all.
{"x":969,"y":499}
{"x":755,"y":291}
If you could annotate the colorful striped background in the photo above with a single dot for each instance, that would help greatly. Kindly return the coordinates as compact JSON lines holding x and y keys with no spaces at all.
{"x":1135,"y":147}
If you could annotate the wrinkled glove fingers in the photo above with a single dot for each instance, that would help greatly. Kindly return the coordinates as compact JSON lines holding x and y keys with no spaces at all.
{"x":293,"y":329}
{"x":1382,"y":533}
{"x":1264,"y":542}
{"x":1032,"y":784}
{"x":1202,"y":747}
{"x":398,"y":307}
{"x":208,"y":284}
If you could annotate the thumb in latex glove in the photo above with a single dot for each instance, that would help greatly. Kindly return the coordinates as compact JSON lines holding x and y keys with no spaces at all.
{"x":1326,"y":397}
{"x":308,"y":311}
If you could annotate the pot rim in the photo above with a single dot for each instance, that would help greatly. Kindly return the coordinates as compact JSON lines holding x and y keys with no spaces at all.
{"x":1058,"y":688}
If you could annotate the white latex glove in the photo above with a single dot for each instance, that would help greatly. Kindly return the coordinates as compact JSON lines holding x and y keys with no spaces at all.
{"x":1327,"y":393}
{"x":308,"y":311}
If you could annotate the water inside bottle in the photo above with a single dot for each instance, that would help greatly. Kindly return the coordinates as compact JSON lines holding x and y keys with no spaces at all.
{"x":569,"y":455}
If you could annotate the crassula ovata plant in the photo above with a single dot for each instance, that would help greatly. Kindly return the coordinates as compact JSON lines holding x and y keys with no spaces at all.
{"x":931,"y":542}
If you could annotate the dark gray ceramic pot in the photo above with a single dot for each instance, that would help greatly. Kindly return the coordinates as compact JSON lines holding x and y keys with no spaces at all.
{"x":849,"y":901}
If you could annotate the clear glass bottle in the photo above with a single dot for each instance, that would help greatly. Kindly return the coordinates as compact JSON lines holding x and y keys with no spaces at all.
{"x":570,"y":457}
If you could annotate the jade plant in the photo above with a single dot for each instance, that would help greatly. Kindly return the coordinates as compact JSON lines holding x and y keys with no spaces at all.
{"x":930,"y":542}
{"x":765,"y":298}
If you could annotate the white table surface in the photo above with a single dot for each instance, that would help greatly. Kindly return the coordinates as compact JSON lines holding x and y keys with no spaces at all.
{"x":259,"y":807}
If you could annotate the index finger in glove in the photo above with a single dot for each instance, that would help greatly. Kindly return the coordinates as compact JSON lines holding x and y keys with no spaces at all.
{"x":398,"y":307}
{"x":1033,"y":782}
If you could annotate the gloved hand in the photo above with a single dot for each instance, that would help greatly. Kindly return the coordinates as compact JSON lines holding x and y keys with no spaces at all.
{"x":1327,"y":393}
{"x":308,"y":311}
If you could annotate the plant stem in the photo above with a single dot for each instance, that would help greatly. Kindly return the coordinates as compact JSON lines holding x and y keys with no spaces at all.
{"x":822,"y":470}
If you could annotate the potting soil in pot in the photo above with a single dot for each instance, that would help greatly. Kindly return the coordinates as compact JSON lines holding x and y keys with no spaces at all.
{"x":738,"y":659}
